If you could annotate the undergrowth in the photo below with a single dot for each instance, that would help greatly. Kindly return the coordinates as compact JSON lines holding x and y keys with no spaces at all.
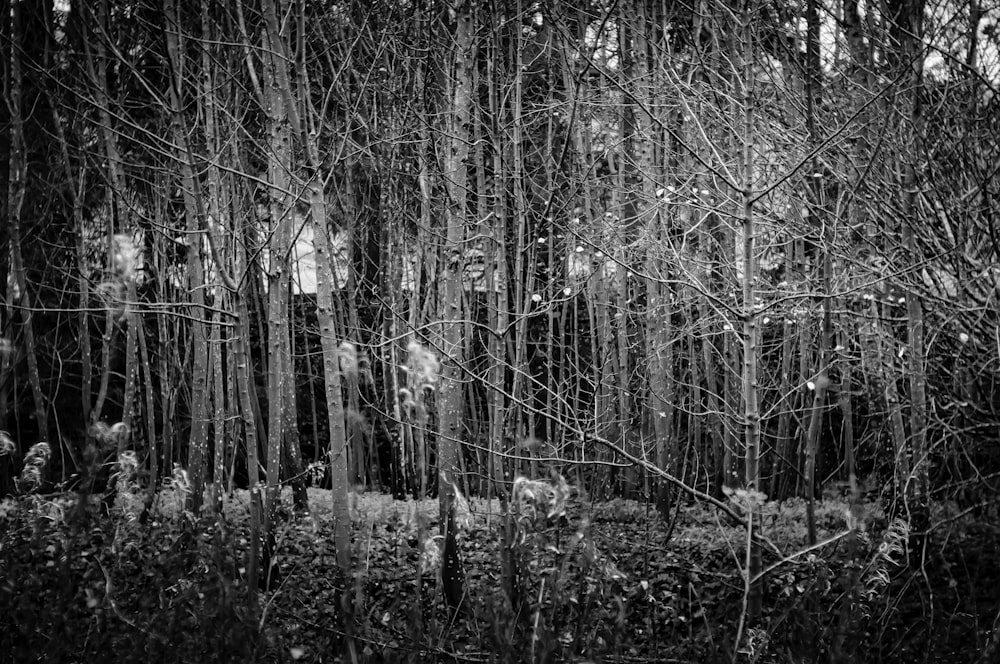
{"x":83,"y":585}
{"x":584,"y":582}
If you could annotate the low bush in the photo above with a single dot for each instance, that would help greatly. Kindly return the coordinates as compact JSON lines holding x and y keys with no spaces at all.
{"x":80,"y":588}
{"x":593,"y":583}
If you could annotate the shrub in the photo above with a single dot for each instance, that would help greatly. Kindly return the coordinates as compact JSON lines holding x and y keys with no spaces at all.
{"x":168,"y":591}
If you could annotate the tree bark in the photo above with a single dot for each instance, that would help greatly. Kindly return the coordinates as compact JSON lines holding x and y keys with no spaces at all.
{"x":450,"y":311}
{"x":331,"y":352}
{"x":245,"y":391}
{"x":16,"y":191}
{"x":750,"y":316}
{"x":280,"y":208}
{"x":198,"y":443}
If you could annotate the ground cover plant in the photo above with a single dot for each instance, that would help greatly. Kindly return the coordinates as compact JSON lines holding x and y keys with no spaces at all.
{"x":600,"y":582}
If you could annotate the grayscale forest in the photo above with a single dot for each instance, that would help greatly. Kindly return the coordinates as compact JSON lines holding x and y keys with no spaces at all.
{"x":500,"y":331}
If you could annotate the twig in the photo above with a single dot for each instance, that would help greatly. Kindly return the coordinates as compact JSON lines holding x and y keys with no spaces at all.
{"x":818,"y":545}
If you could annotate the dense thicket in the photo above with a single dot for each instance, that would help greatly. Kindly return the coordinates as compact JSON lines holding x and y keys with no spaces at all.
{"x":668,"y":250}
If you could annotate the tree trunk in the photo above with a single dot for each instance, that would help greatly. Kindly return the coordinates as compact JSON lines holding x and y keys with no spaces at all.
{"x":99,"y":76}
{"x":450,"y":310}
{"x":75,"y":186}
{"x":279,"y":166}
{"x":16,"y":190}
{"x":815,"y":196}
{"x":918,"y":487}
{"x":906,"y":27}
{"x":291,"y":445}
{"x":331,"y":352}
{"x":246,"y":388}
{"x":780,"y":468}
{"x":846,"y":408}
{"x":750,"y":315}
{"x":331,"y":376}
{"x":198,"y":443}
{"x":218,"y":413}
{"x":149,"y":414}
{"x":133,"y":319}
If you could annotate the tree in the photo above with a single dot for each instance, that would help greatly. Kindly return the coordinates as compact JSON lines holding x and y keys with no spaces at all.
{"x":336,"y":357}
{"x":16,"y":191}
{"x":450,"y":309}
{"x":193,"y":214}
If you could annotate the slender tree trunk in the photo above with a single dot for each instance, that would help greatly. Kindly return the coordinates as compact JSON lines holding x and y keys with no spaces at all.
{"x":696,"y":413}
{"x":732,"y":380}
{"x":659,"y":352}
{"x":16,"y":191}
{"x":149,"y":414}
{"x":413,"y":437}
{"x":847,"y":409}
{"x":918,"y":496}
{"x":816,"y":199}
{"x":750,"y":316}
{"x":332,"y":367}
{"x":500,"y":468}
{"x":714,"y":403}
{"x":98,"y":76}
{"x":820,"y":386}
{"x":450,"y":311}
{"x":349,"y":321}
{"x":197,"y":446}
{"x":26,"y":307}
{"x":291,"y":445}
{"x":133,"y":319}
{"x":219,"y":451}
{"x":166,"y":343}
{"x":884,"y":359}
{"x":523,"y":253}
{"x":217,"y":217}
{"x":119,"y":243}
{"x":918,"y":489}
{"x":783,"y":439}
{"x":245,"y":387}
{"x":279,"y":247}
{"x":331,"y":376}
{"x":75,"y":186}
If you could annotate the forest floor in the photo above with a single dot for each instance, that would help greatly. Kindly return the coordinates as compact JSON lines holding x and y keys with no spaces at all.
{"x":609,"y":582}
